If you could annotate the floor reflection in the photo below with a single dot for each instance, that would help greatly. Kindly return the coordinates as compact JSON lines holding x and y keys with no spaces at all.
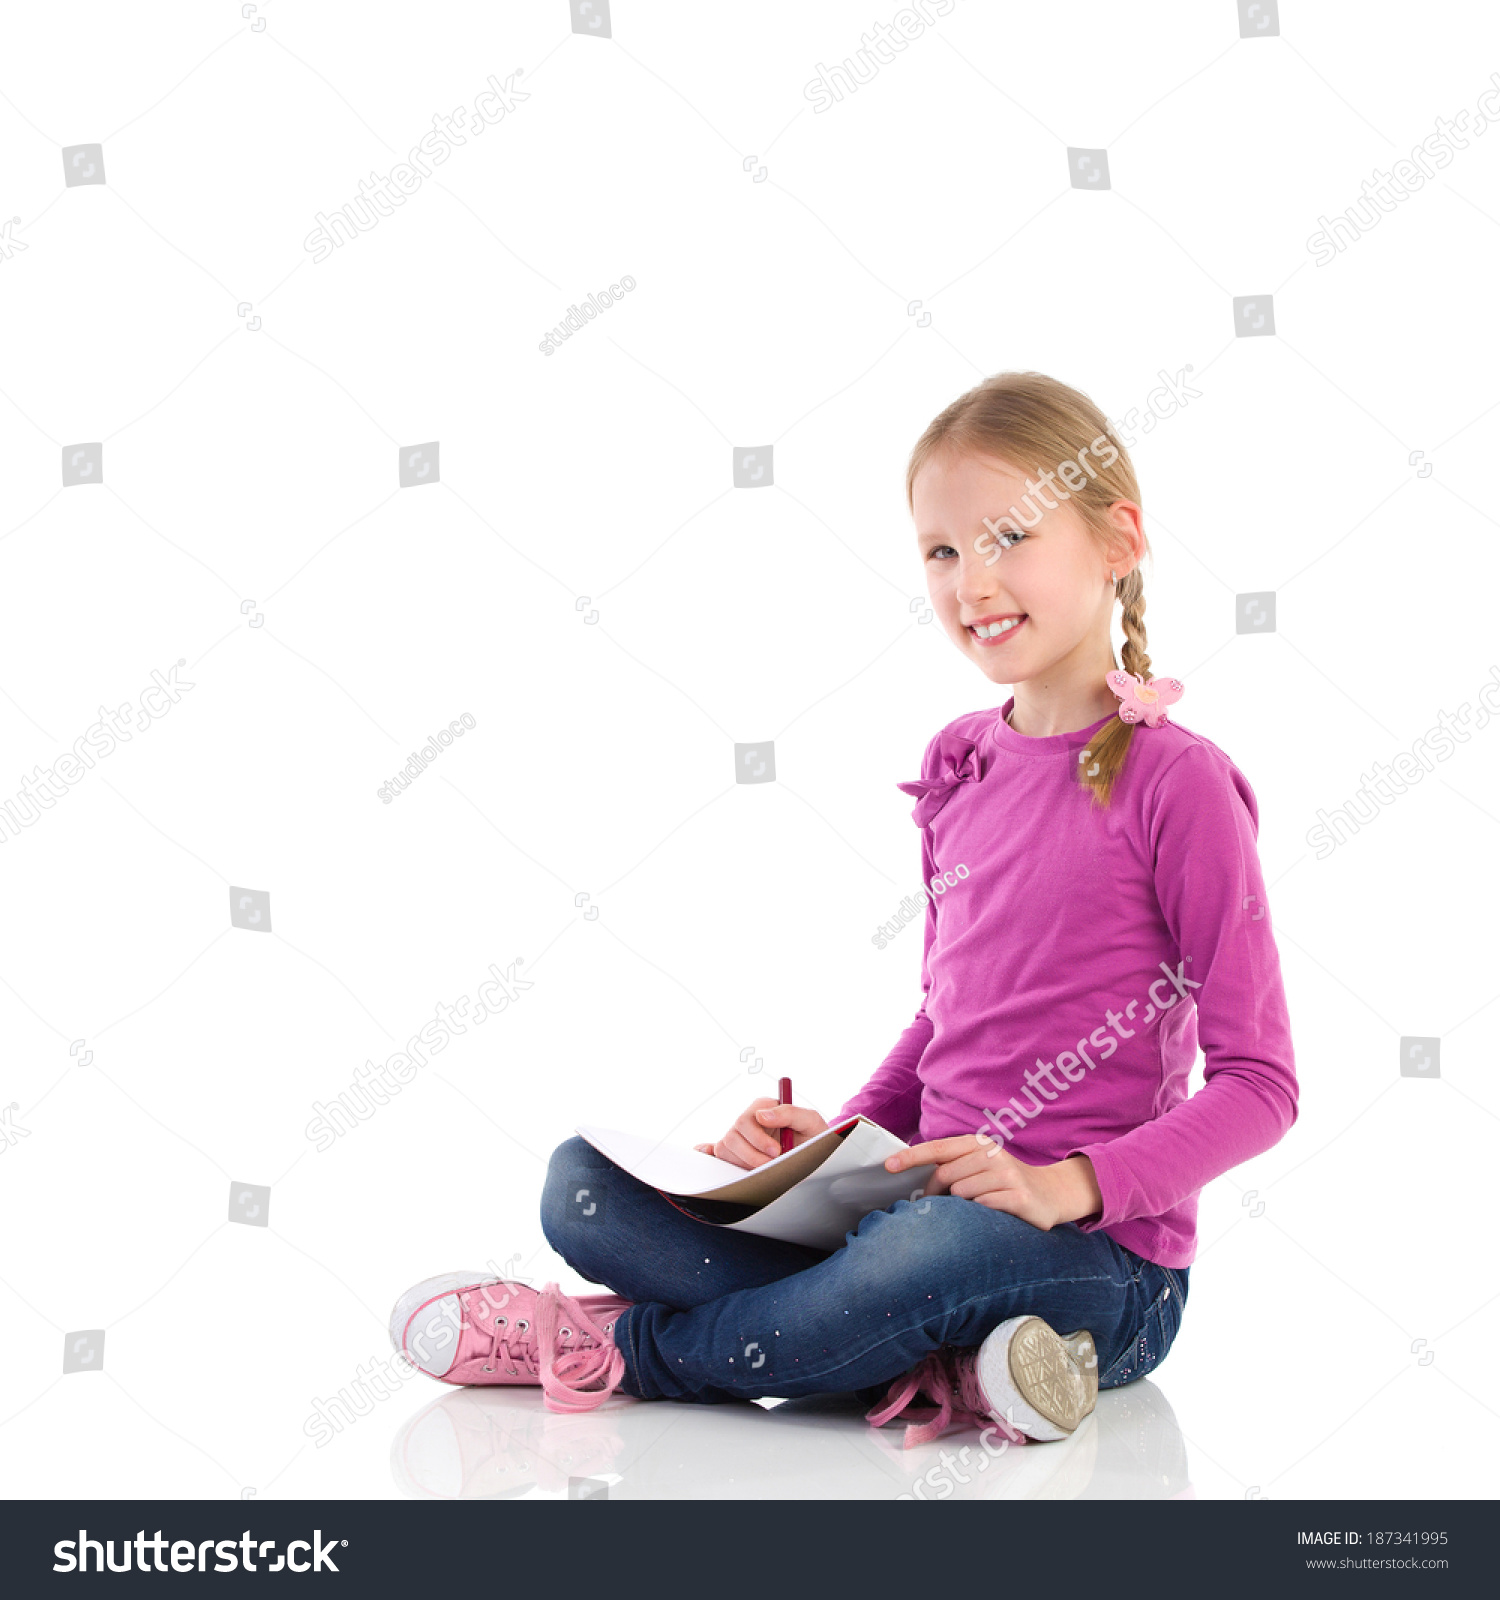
{"x":502,"y":1443}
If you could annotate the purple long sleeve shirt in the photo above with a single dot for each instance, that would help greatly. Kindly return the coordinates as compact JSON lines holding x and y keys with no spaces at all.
{"x":1071,"y":970}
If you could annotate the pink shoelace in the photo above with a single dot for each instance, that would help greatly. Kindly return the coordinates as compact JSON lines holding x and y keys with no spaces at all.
{"x":951,"y":1377}
{"x":567,"y":1351}
{"x":581,"y":1377}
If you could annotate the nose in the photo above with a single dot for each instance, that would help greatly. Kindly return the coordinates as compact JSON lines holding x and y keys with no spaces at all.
{"x":978,"y":584}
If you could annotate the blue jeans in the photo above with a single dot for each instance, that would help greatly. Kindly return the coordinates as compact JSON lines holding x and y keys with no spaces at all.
{"x":721,"y":1316}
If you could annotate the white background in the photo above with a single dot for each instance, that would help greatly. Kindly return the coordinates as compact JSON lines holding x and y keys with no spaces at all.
{"x":1344,"y":1307}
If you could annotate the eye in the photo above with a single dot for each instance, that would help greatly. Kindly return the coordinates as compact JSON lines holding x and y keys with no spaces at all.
{"x":1009,"y":536}
{"x":941,"y":552}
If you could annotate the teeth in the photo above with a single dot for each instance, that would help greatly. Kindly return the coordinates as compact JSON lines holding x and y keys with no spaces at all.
{"x":990,"y":630}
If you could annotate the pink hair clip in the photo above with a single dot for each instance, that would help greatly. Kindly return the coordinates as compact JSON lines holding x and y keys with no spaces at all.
{"x":1141,"y":701}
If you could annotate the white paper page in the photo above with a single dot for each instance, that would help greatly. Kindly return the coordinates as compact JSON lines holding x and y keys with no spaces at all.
{"x":829,"y":1202}
{"x":676,"y":1168}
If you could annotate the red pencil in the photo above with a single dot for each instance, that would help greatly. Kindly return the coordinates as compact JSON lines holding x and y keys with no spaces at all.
{"x":785,"y":1092}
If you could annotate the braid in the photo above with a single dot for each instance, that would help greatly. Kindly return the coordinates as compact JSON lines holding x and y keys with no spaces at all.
{"x":1111,"y":745}
{"x":1132,"y":593}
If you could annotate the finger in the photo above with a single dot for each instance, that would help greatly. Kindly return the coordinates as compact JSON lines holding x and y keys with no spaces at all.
{"x":758,"y":1138}
{"x":707,"y":1149}
{"x":738,"y":1149}
{"x":972,"y":1185}
{"x":970,"y":1158}
{"x":993,"y":1147}
{"x":755,"y":1132}
{"x":965,"y":1166}
{"x":940,"y":1149}
{"x":933,"y":1150}
{"x":726,"y":1151}
{"x":801,"y":1120}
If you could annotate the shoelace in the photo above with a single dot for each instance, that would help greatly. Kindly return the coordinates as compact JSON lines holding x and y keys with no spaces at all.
{"x":952,"y":1379}
{"x":572,"y":1357}
{"x":572,"y":1346}
{"x":513,"y":1348}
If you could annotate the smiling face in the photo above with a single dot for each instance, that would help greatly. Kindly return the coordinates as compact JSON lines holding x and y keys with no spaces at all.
{"x":1047,"y":586}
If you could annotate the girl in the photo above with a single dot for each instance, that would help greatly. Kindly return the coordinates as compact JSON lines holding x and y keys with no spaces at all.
{"x":1113,"y":915}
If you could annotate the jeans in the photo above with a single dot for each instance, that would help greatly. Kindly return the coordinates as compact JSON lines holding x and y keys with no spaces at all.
{"x":721,"y":1316}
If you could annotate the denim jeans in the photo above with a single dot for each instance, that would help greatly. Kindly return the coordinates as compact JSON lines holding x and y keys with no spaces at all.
{"x":721,"y":1316}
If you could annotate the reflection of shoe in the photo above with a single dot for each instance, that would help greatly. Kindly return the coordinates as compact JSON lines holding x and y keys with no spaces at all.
{"x":448,"y":1452}
{"x":477,"y":1444}
{"x":1065,"y":1472}
{"x":475,"y":1329}
{"x":1025,"y":1379}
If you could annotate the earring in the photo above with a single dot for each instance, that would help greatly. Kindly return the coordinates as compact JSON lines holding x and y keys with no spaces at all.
{"x":1111,"y":574}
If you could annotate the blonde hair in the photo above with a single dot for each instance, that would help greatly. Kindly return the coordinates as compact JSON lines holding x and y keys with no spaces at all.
{"x":1034,"y":422}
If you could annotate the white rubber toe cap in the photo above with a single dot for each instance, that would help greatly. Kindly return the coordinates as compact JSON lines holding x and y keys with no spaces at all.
{"x":426,"y":1320}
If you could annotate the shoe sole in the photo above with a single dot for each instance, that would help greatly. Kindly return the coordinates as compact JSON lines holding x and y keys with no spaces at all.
{"x":1054,"y":1376}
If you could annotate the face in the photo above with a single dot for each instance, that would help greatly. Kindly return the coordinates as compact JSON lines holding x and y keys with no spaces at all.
{"x":1050,"y":584}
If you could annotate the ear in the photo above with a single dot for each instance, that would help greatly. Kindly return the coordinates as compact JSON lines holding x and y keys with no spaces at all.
{"x":1127,"y":545}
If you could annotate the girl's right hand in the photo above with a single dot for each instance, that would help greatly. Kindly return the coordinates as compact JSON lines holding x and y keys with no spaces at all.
{"x":754,"y":1138}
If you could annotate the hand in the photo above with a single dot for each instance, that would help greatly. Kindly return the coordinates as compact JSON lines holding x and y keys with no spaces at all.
{"x":975,"y":1167}
{"x":753,"y":1141}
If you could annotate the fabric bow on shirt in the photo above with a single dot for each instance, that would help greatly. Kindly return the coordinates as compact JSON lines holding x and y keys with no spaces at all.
{"x":957,"y":762}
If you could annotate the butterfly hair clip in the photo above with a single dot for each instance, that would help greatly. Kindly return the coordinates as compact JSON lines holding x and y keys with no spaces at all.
{"x":1141,"y":701}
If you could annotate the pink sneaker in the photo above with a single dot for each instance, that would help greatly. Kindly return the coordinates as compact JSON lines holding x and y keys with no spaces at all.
{"x":463,"y":1327}
{"x":1025,"y":1379}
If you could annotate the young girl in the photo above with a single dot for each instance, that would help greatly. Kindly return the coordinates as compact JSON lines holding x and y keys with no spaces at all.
{"x":1113,"y":915}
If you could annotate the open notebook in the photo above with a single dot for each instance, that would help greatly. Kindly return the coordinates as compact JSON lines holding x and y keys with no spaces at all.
{"x":812,"y":1195}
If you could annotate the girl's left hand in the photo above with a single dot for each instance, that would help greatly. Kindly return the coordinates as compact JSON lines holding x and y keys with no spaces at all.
{"x":975,"y":1167}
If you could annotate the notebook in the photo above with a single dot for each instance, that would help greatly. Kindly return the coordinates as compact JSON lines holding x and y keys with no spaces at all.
{"x":812,"y":1195}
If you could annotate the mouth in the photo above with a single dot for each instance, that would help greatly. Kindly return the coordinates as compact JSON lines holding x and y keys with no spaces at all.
{"x":991,"y":632}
